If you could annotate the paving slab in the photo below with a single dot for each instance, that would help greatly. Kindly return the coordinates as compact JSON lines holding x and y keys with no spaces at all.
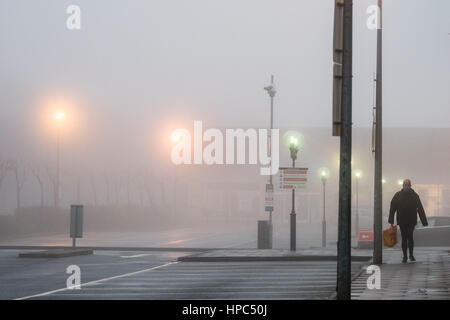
{"x":428,"y":278}
{"x":56,"y":253}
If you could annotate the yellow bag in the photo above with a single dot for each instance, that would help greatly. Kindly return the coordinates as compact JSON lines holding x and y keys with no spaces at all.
{"x":390,"y":236}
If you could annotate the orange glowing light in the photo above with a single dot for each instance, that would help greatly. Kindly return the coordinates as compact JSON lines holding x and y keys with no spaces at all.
{"x":60,"y":116}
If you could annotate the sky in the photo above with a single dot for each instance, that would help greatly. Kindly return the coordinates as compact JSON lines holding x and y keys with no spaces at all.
{"x":209,"y":60}
{"x":138,"y":69}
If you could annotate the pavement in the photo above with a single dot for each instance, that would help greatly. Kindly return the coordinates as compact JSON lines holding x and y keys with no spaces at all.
{"x":428,"y":278}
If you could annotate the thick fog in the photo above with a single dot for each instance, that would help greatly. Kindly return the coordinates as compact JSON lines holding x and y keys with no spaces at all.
{"x":138,"y":70}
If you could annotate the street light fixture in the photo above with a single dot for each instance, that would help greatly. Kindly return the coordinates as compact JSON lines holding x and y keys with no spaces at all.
{"x":293,"y":148}
{"x":358,"y":175}
{"x":324,"y":174}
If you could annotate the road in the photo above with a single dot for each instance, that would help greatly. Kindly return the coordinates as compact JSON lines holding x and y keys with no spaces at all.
{"x":157,"y":275}
{"x":113,"y":274}
{"x":235,"y":236}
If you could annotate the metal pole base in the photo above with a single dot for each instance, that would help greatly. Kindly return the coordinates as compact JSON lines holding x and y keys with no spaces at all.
{"x":293,"y":231}
{"x":324,"y":233}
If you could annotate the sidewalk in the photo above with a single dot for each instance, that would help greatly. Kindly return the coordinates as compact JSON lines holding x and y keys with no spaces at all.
{"x":426,"y":279}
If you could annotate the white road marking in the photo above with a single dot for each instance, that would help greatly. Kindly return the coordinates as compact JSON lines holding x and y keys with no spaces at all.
{"x":137,"y":255}
{"x":97,"y":281}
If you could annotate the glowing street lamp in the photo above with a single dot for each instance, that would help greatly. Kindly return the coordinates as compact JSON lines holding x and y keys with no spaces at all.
{"x":294,"y":146}
{"x":59,"y":116}
{"x":324,"y":174}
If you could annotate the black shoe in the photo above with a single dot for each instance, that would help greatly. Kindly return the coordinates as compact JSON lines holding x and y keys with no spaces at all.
{"x":405,"y":259}
{"x":411,"y":258}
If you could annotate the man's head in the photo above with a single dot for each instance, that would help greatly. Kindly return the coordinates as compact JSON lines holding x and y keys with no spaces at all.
{"x":406,"y":184}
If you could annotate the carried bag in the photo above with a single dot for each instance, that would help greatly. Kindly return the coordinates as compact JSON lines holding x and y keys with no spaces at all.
{"x":390,"y":236}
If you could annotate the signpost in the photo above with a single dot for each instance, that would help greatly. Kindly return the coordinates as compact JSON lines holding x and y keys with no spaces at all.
{"x":268,"y":203}
{"x":76,"y":223}
{"x":293,"y":178}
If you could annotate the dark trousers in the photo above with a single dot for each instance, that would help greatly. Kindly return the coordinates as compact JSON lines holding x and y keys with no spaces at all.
{"x":407,"y":238}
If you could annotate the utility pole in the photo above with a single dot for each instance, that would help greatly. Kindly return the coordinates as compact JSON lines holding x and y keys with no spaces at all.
{"x":378,"y":186}
{"x":342,"y":126}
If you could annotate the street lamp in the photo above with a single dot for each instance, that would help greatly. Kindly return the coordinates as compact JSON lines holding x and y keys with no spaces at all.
{"x":324,"y":174}
{"x":271,"y":91}
{"x":293,"y":148}
{"x":358,"y":174}
{"x":59,"y":118}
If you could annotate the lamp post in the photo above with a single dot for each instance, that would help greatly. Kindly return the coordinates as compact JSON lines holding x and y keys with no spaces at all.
{"x":324,"y":173}
{"x":293,"y":148}
{"x":271,"y":91}
{"x":358,"y":175}
{"x":59,"y":117}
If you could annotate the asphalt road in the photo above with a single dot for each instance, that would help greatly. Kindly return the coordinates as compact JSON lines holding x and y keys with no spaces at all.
{"x":202,"y":237}
{"x":157,"y":275}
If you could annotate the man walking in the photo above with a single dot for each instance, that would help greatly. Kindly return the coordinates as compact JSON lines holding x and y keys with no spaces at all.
{"x":407,"y":204}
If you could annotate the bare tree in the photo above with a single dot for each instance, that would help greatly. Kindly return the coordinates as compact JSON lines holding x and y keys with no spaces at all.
{"x":20,"y":174}
{"x":36,"y":171}
{"x":107,"y":184}
{"x":94,"y":189}
{"x":52,"y":178}
{"x":117,"y":189}
{"x":3,"y":171}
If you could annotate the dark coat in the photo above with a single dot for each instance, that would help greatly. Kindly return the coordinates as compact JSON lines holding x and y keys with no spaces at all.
{"x":407,"y":204}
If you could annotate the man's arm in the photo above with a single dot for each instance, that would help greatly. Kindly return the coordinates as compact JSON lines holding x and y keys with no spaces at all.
{"x":422,"y":215}
{"x":393,"y":209}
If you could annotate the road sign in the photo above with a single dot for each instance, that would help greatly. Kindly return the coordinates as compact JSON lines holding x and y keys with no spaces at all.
{"x":293,"y":178}
{"x":76,"y":221}
{"x":365,"y":235}
{"x":338,"y":49}
{"x":268,"y":203}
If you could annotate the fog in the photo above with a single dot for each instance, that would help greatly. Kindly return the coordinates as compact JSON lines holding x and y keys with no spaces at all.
{"x":136,"y":71}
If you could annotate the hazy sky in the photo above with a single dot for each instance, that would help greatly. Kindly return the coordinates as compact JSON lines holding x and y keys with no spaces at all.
{"x":209,"y":60}
{"x":138,"y":69}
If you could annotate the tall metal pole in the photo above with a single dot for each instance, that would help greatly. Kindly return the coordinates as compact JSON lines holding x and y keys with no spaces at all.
{"x":378,"y":186}
{"x":357,"y":207}
{"x":272,"y":94}
{"x":324,"y":221}
{"x":293,"y":219}
{"x":57,"y":187}
{"x":345,"y":176}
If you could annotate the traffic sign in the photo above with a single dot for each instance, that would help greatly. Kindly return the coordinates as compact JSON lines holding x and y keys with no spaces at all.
{"x":293,"y":178}
{"x":268,"y":203}
{"x":365,"y":235}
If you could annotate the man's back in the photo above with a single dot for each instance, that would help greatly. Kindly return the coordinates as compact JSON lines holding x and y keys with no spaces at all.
{"x":407,"y":204}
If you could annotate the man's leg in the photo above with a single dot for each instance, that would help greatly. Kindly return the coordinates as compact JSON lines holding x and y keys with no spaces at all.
{"x":411,"y":242}
{"x":404,"y":233}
